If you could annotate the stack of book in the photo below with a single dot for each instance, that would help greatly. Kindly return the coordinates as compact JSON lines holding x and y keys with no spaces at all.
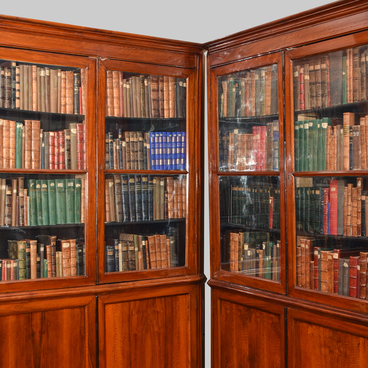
{"x":44,"y":257}
{"x":36,"y":202}
{"x":321,"y":145}
{"x":258,"y":150}
{"x":141,"y":252}
{"x":137,"y":150}
{"x":253,"y":254}
{"x":27,"y":146}
{"x":336,"y":271}
{"x":331,"y":79}
{"x":255,"y":206}
{"x":42,"y":88}
{"x":334,"y":207}
{"x":130,"y":198}
{"x":145,"y":96}
{"x":255,"y":93}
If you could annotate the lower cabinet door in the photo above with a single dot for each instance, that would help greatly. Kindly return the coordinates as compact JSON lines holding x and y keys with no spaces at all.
{"x":316,"y":340}
{"x":151,"y":327}
{"x":247,"y":332}
{"x":48,"y":332}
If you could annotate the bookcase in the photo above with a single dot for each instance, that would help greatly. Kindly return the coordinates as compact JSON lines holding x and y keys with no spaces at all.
{"x":100,"y":198}
{"x":46,"y":170}
{"x":288,"y":220}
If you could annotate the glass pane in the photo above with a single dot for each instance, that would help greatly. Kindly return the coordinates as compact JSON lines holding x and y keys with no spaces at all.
{"x":145,"y":213}
{"x":250,"y":225}
{"x":330,"y":103}
{"x":331,"y":248}
{"x":42,"y":127}
{"x":248,"y":120}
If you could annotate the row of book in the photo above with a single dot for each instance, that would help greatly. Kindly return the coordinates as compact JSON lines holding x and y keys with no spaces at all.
{"x":335,"y":209}
{"x":130,"y":198}
{"x":335,"y":271}
{"x":257,"y":150}
{"x":321,"y":145}
{"x":44,"y":257}
{"x":253,"y":93}
{"x":331,"y":79}
{"x":131,"y":252}
{"x":36,"y":202}
{"x":25,"y":145}
{"x":255,"y":206}
{"x":254,"y":254}
{"x":137,"y":150}
{"x":145,"y":96}
{"x":42,"y":88}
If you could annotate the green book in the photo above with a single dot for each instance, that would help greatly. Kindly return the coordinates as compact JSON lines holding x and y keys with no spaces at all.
{"x":51,"y":192}
{"x":39,"y":220}
{"x":18,"y":144}
{"x":77,"y":200}
{"x":70,"y":198}
{"x":32,"y":202}
{"x":60,"y":201}
{"x":44,"y":203}
{"x":313,"y":144}
{"x":296,"y":146}
{"x":305,"y":157}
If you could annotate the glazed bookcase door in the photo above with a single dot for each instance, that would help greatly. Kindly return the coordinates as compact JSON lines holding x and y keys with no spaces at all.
{"x":147,"y":141}
{"x":46,"y":170}
{"x":327,"y":122}
{"x":246,"y":173}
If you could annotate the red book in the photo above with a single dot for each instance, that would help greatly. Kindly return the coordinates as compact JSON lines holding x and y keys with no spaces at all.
{"x":81,"y":151}
{"x":271,"y":213}
{"x":333,"y":206}
{"x":61,"y":151}
{"x":52,"y":158}
{"x":326,"y":202}
{"x":354,"y":277}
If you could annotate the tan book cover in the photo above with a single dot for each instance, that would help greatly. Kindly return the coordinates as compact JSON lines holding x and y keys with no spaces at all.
{"x":115,"y":93}
{"x":63,"y":92}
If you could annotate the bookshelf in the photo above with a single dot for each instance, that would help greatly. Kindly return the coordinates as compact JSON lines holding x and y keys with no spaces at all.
{"x":148,"y":177}
{"x":68,"y":162}
{"x":248,"y":176}
{"x":45,"y":170}
{"x":319,"y":295}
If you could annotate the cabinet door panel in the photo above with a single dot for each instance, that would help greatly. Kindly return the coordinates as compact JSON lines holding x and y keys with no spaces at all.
{"x":52,"y":333}
{"x":246,"y":332}
{"x":146,"y":329}
{"x":316,"y":341}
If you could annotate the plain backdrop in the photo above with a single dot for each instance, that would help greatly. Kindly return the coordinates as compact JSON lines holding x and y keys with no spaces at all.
{"x":187,"y":20}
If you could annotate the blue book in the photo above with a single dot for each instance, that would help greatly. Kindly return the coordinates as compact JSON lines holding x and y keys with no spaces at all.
{"x":164,"y":151}
{"x":152,"y":151}
{"x":169,"y":151}
{"x":174,"y":150}
{"x":183,"y":149}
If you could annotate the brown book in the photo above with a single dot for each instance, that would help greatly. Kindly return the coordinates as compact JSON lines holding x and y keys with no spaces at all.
{"x":81,"y":147}
{"x":115,"y":93}
{"x":363,"y":275}
{"x":35,"y":144}
{"x":154,"y":95}
{"x":348,"y":121}
{"x":11,"y":143}
{"x":65,"y":247}
{"x":14,"y":186}
{"x":324,"y":81}
{"x":172,"y":97}
{"x":363,"y":146}
{"x":161,"y":95}
{"x":63,"y":92}
{"x":234,"y":240}
{"x":69,"y":92}
{"x":151,"y":241}
{"x":268,"y":80}
{"x":54,"y":90}
{"x":357,"y":151}
{"x":354,"y":277}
